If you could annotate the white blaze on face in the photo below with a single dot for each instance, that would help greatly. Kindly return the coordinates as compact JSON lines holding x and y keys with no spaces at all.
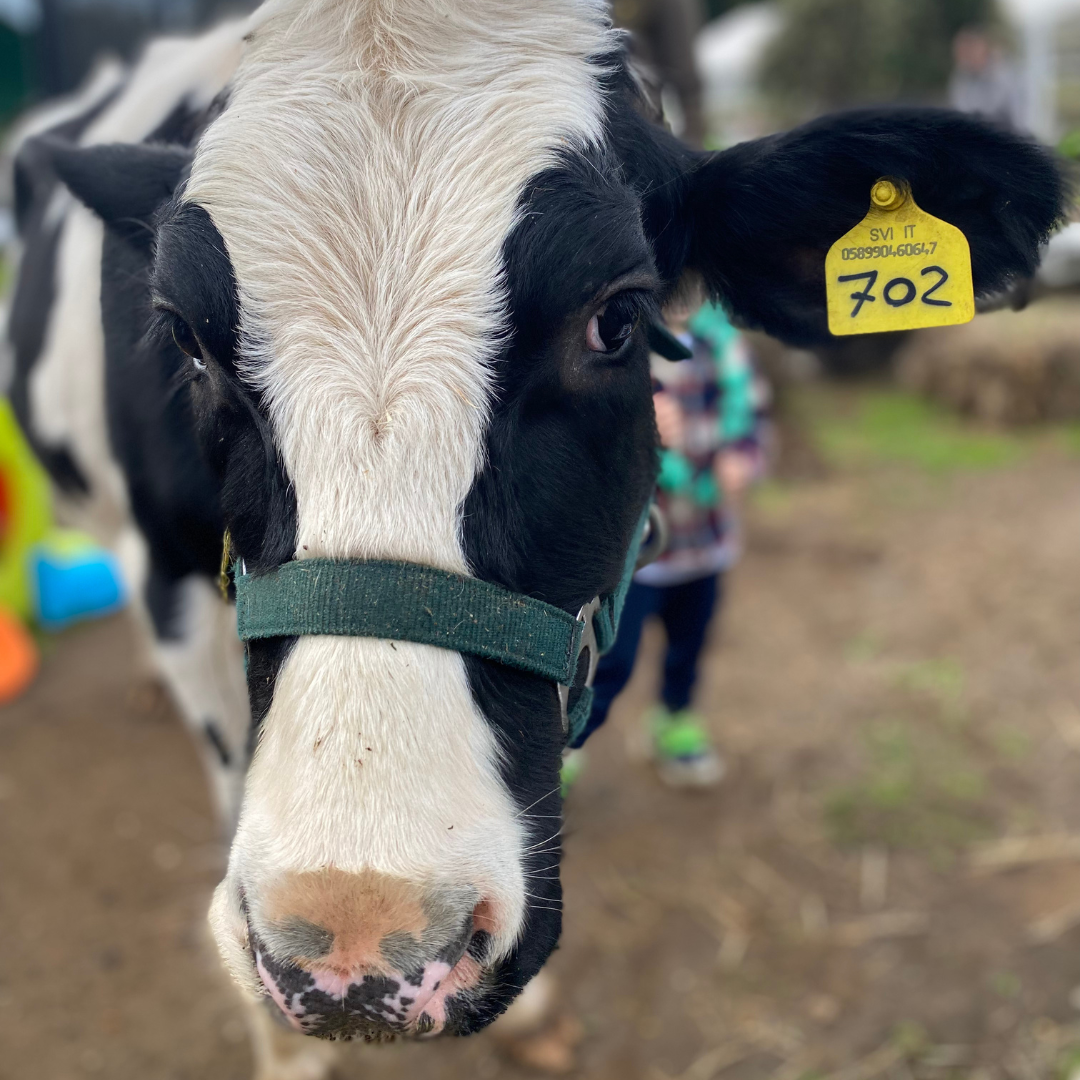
{"x":365,"y":177}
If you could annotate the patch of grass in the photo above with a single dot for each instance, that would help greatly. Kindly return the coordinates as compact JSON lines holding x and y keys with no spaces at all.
{"x":919,"y":790}
{"x":1068,"y":436}
{"x":942,"y":679}
{"x":772,"y":497}
{"x":1021,"y":820}
{"x":893,"y":427}
{"x":863,"y":647}
{"x":1011,"y":743}
{"x":1067,"y":1066}
{"x":910,"y":1037}
{"x":1006,"y":984}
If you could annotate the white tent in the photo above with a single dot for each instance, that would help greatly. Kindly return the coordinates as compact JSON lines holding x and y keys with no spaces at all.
{"x":1040,"y":23}
{"x":1021,"y":10}
{"x":728,"y":52}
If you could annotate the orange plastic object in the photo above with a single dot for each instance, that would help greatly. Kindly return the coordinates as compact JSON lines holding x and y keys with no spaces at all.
{"x":18,"y":658}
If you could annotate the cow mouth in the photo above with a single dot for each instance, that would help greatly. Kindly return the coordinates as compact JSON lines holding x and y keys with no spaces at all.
{"x":374,"y":1005}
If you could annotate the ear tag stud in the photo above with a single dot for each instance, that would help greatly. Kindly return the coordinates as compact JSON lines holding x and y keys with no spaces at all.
{"x":900,"y":268}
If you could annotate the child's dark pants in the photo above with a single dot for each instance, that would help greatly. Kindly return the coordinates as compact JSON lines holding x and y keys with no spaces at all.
{"x":685,"y":611}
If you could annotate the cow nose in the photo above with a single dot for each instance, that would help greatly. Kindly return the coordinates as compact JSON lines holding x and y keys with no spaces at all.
{"x":366,"y":955}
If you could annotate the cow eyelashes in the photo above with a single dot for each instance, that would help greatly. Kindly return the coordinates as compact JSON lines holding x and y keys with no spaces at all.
{"x":187,"y":342}
{"x":614,"y":324}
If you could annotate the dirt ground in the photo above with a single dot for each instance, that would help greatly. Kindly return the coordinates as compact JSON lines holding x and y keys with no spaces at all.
{"x":888,"y":884}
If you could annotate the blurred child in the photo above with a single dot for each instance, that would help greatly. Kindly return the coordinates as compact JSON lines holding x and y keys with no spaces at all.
{"x":709,"y":423}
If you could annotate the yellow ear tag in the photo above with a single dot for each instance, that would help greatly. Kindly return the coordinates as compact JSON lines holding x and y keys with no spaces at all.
{"x":900,"y":268}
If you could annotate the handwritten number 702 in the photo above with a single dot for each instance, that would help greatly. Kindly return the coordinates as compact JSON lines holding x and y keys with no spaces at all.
{"x":898,"y":292}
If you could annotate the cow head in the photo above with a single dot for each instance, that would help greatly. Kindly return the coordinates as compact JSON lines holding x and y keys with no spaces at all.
{"x":406,"y":269}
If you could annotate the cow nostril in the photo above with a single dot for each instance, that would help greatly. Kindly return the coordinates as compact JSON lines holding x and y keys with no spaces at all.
{"x":303,"y":940}
{"x":484,"y":925}
{"x":483,"y":917}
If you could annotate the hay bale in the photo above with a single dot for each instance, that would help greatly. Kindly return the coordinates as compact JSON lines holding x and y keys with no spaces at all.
{"x":1005,"y":367}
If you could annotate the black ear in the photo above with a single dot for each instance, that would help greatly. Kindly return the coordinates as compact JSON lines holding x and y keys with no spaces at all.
{"x":761,"y":216}
{"x":34,"y":175}
{"x":124,"y":184}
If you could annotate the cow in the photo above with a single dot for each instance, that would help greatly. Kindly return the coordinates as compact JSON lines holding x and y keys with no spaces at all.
{"x":375,"y":278}
{"x":60,"y":386}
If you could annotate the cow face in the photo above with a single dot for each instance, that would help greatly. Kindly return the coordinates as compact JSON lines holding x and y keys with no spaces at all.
{"x":407,"y":272}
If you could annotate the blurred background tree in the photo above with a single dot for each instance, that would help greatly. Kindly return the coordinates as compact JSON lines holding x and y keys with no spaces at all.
{"x":837,"y":53}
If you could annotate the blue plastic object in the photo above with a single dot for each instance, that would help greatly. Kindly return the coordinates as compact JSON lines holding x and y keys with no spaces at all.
{"x":72,"y":579}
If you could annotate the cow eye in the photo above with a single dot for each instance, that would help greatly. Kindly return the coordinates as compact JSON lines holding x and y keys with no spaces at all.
{"x":187,"y":342}
{"x":614,"y":324}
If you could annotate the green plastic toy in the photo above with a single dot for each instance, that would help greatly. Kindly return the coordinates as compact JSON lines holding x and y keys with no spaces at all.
{"x":25,"y":515}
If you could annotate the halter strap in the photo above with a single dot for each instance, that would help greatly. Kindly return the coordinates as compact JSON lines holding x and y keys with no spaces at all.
{"x":403,"y":601}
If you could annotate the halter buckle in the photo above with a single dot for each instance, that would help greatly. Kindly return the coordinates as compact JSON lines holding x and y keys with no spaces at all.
{"x":654,"y":538}
{"x":588,"y":641}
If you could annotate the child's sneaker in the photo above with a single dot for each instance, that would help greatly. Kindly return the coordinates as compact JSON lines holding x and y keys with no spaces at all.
{"x":683,"y":751}
{"x":573,"y":765}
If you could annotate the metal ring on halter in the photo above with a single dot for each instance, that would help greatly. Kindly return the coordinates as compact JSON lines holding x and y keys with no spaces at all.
{"x":588,"y":641}
{"x":655,"y":541}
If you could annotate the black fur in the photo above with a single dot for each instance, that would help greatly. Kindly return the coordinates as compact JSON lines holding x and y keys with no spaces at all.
{"x":34,"y":176}
{"x":215,"y":739}
{"x":185,"y":445}
{"x":193,"y":279}
{"x":570,"y":464}
{"x":123,"y":184}
{"x":757,"y":220}
{"x":174,"y":496}
{"x":571,"y":456}
{"x":764,"y":214}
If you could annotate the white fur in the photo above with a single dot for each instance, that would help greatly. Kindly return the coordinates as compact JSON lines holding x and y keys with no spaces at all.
{"x":364,"y":178}
{"x":171,"y":70}
{"x":103,"y":80}
{"x":67,"y":384}
{"x":205,"y":671}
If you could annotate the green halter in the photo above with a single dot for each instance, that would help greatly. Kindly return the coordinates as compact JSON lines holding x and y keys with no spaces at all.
{"x":401,"y":601}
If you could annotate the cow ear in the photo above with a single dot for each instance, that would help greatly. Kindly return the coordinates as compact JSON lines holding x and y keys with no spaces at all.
{"x":761,"y":216}
{"x":124,"y":184}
